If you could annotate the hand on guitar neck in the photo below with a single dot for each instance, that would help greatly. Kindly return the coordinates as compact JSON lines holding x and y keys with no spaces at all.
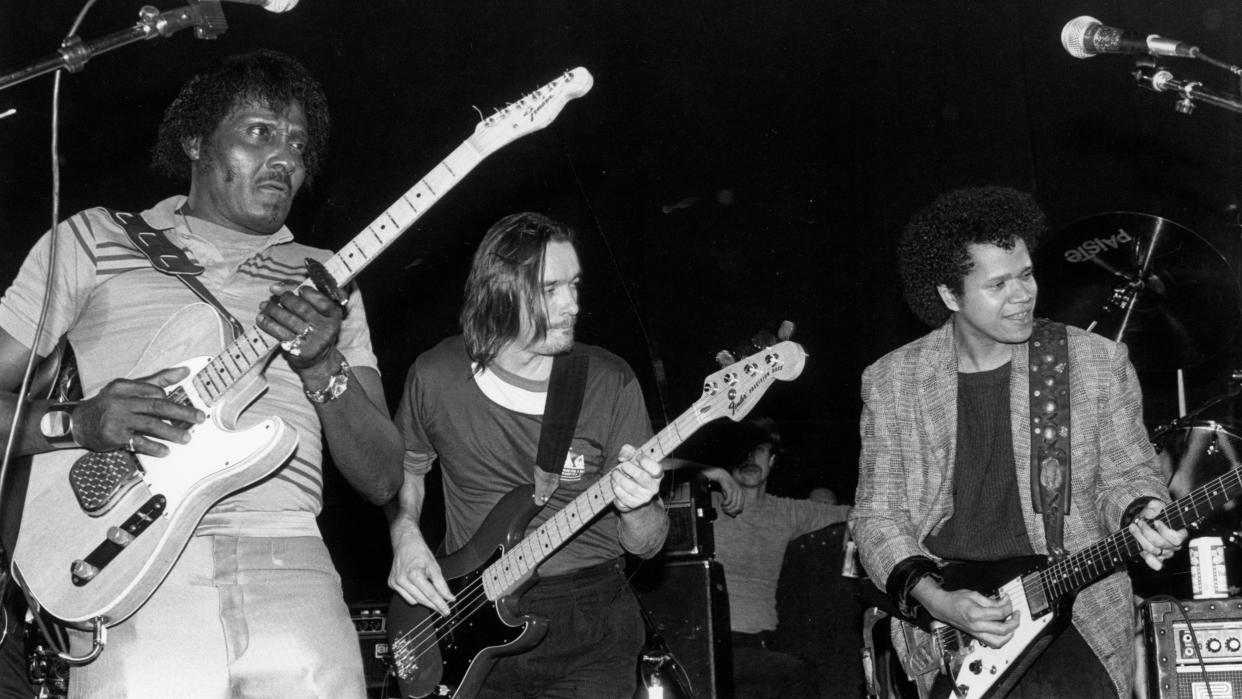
{"x":1157,"y":539}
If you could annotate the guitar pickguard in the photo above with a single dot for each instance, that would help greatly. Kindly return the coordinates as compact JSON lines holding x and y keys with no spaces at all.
{"x":105,"y":561}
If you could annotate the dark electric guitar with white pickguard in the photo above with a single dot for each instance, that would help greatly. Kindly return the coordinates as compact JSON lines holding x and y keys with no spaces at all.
{"x":451,"y":655}
{"x":1041,"y":594}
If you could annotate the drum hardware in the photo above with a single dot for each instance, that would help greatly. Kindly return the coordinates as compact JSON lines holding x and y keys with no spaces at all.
{"x":1193,"y":416}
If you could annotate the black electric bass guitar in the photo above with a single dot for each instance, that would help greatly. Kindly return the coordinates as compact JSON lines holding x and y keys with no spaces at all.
{"x":101,"y":531}
{"x":1042,"y":593}
{"x":451,"y":655}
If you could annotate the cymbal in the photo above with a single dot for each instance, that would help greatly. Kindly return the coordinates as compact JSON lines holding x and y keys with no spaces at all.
{"x":1143,"y":280}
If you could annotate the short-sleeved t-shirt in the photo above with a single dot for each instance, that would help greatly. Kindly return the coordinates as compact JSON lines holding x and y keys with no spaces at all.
{"x":120,"y":313}
{"x":484,"y":429}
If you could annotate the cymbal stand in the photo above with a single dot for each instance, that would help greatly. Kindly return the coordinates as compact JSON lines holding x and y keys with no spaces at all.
{"x":1179,"y":422}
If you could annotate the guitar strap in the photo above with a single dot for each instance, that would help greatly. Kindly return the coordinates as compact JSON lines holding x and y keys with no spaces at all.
{"x":171,"y":260}
{"x":566,"y":388}
{"x":1048,"y":350}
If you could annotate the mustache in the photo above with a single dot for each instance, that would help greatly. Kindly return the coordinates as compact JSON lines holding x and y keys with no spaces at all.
{"x":281,"y":178}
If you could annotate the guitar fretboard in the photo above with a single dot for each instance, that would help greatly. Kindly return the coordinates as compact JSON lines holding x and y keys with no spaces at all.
{"x":732,"y":391}
{"x":252,"y":348}
{"x":1074,"y":572}
{"x":516,"y":564}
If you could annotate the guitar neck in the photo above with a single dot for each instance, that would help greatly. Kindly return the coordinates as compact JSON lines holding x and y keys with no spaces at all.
{"x":519,"y":562}
{"x":252,"y":347}
{"x":396,"y":219}
{"x":1076,"y":571}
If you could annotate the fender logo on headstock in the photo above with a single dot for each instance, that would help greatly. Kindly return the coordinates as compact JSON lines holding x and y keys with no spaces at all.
{"x":737,"y":403}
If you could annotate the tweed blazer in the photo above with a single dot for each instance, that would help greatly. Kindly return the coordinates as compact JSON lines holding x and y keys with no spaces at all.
{"x":905,"y":486}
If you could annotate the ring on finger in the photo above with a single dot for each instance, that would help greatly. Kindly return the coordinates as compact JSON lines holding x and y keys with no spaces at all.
{"x":294,"y":346}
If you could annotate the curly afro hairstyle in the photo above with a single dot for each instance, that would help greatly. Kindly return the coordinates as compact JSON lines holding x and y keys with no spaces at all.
{"x":934,"y":247}
{"x":264,"y":77}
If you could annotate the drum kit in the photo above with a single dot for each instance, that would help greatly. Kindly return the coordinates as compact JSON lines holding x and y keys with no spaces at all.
{"x":1173,"y":299}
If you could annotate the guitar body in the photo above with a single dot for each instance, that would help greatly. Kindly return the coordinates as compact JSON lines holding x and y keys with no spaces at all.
{"x":451,"y":656}
{"x":969,"y":669}
{"x":164,"y":503}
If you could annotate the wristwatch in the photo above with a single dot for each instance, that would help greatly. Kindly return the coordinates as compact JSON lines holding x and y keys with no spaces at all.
{"x":337,"y":383}
{"x":56,"y":425}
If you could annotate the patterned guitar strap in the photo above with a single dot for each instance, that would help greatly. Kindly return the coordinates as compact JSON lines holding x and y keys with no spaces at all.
{"x":1050,"y":418}
{"x":566,"y":388}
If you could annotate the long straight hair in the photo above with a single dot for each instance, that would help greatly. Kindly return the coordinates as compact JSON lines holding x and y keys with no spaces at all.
{"x":506,"y":282}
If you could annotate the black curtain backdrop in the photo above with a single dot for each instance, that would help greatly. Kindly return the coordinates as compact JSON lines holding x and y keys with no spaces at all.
{"x":735,"y":165}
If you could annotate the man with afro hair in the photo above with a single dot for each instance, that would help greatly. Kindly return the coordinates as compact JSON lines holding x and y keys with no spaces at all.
{"x":253,"y":606}
{"x":957,"y":466}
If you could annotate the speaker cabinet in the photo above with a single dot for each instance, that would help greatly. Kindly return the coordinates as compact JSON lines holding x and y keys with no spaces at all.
{"x":690,"y":517}
{"x":685,"y":602}
{"x":819,"y":611}
{"x":1173,"y":631}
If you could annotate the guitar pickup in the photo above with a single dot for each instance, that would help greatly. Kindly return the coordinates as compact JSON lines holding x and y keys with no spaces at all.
{"x":119,"y":536}
{"x":82,"y":571}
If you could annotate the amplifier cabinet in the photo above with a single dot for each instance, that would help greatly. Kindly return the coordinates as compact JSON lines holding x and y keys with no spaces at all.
{"x":371,"y":622}
{"x":690,"y":517}
{"x":686,"y":602}
{"x":1174,"y":630}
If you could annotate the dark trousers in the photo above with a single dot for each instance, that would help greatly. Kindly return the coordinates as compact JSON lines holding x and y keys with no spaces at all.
{"x":595,"y":635}
{"x":759,"y":672}
{"x":14,"y":682}
{"x":1067,"y":669}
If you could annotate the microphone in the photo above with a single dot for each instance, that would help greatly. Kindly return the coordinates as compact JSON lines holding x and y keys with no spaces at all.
{"x":270,"y":5}
{"x":1085,"y":37}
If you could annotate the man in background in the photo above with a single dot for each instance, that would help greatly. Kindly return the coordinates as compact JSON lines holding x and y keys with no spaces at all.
{"x":750,"y":544}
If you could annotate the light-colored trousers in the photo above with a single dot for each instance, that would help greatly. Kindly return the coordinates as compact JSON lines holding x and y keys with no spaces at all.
{"x":236,"y":617}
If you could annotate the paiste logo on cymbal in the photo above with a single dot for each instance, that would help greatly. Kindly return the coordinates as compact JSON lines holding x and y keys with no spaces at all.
{"x":1095,"y":246}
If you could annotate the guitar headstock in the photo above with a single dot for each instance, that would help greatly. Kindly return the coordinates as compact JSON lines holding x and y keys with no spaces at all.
{"x":531,"y":113}
{"x":735,"y":389}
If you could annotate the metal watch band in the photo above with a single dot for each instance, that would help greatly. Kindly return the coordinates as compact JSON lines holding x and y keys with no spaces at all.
{"x":337,"y":383}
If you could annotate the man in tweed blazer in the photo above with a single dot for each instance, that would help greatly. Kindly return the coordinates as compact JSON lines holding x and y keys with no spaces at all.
{"x":933,"y":487}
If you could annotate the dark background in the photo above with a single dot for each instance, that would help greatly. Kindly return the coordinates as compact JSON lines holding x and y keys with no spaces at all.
{"x":735,"y":165}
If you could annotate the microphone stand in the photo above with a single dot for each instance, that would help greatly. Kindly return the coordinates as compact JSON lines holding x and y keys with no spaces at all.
{"x":1158,"y":79}
{"x":206,"y":17}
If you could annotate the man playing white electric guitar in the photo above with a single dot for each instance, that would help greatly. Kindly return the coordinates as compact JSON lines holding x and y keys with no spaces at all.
{"x":253,"y":606}
{"x":994,"y":437}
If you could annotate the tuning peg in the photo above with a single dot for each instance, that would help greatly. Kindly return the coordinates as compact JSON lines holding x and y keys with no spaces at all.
{"x":724,"y":358}
{"x":785,"y":331}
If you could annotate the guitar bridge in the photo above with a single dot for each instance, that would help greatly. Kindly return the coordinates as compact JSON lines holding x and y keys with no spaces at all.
{"x":99,"y":479}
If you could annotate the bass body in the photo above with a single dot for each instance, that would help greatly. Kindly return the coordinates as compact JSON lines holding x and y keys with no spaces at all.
{"x":451,"y":656}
